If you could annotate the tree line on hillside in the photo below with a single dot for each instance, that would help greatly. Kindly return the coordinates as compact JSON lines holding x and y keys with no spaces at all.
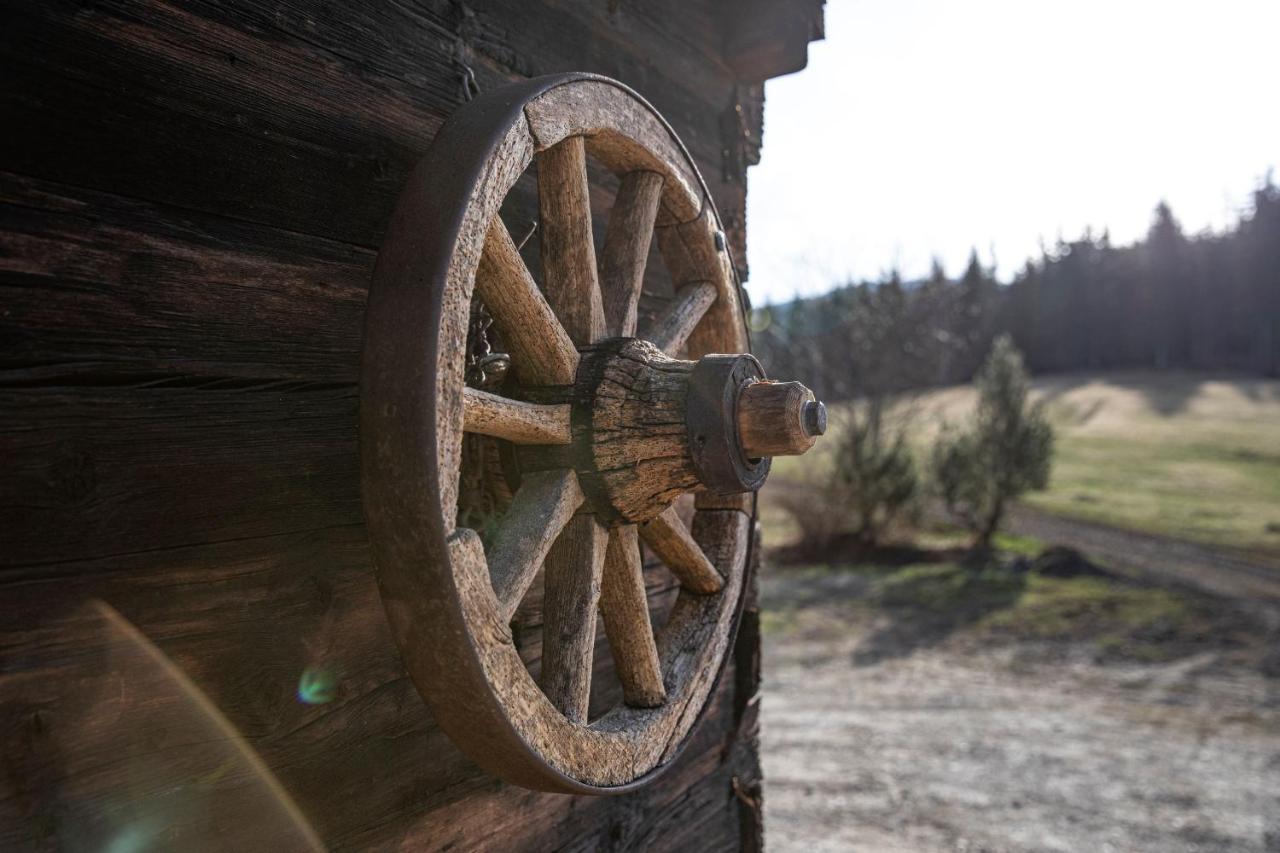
{"x":1207,"y":301}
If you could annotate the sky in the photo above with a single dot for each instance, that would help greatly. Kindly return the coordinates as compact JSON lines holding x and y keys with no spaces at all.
{"x":925,"y":128}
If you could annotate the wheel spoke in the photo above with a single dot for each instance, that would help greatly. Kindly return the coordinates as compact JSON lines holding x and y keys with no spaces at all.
{"x":625,"y":608}
{"x":515,"y":420}
{"x":626,"y":248}
{"x":541,"y":349}
{"x":674,"y":545}
{"x":673,"y":327}
{"x":568,"y":253}
{"x":540,"y":509}
{"x":572,"y":593}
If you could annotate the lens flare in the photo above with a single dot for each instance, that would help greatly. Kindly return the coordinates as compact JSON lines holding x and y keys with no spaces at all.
{"x":759,"y":319}
{"x":318,"y":685}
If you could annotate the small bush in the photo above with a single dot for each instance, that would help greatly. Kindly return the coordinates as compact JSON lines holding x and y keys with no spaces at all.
{"x":819,"y":518}
{"x":875,"y":474}
{"x":1003,"y":453}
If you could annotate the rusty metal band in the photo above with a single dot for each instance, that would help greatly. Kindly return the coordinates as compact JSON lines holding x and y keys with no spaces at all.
{"x":712,"y":422}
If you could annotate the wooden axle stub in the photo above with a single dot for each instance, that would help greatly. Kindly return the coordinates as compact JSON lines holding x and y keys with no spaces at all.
{"x":778,"y":419}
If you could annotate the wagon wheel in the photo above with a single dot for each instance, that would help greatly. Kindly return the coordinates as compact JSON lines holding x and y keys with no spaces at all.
{"x":606,"y":431}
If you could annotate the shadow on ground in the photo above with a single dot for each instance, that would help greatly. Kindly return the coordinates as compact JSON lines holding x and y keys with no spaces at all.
{"x":923,"y":605}
{"x":1058,"y":602}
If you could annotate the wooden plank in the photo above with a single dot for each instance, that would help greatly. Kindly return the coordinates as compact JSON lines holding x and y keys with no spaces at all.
{"x":245,"y":620}
{"x":672,"y":328}
{"x":323,"y":115}
{"x":276,"y":133}
{"x":104,"y":290}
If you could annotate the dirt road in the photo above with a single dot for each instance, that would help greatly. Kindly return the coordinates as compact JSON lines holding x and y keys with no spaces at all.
{"x":1146,"y":555}
{"x":952,"y":747}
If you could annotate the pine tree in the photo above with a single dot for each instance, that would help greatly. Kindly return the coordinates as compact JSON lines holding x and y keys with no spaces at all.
{"x":875,"y":471}
{"x":1004,"y":452}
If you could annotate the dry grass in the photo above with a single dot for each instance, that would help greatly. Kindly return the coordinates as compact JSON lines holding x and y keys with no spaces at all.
{"x":1193,"y":456}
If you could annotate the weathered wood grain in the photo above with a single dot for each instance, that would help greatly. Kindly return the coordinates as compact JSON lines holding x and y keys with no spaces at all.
{"x":639,"y":450}
{"x":625,"y":608}
{"x":515,"y":420}
{"x":541,"y":349}
{"x":693,"y":253}
{"x":626,"y":138}
{"x":306,"y":106}
{"x":774,"y":419}
{"x":573,"y":575}
{"x":568,"y":252}
{"x":744,"y":502}
{"x":540,"y":509}
{"x":676,"y":547}
{"x":626,"y":249}
{"x":309,"y":600}
{"x":178,"y":356}
{"x":99,"y":289}
{"x":672,"y":328}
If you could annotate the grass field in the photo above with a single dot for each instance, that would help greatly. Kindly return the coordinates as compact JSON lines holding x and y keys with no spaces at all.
{"x":1192,"y":456}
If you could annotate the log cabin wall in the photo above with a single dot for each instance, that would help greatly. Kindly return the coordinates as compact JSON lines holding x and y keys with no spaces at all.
{"x":192,"y":194}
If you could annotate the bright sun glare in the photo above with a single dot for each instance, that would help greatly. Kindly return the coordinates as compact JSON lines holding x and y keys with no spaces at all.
{"x":930,"y":127}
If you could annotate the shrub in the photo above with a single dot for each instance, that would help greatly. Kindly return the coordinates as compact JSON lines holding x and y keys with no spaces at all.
{"x":1004,"y":452}
{"x":875,"y":473}
{"x":821,"y":519}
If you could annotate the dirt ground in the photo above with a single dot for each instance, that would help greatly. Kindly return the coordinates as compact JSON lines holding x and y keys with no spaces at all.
{"x":964,"y":745}
{"x":1214,"y":569}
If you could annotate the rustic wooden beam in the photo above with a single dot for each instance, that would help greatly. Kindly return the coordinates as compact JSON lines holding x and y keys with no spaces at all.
{"x":765,"y":38}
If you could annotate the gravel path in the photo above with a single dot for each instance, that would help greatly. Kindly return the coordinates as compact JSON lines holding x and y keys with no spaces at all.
{"x":952,"y":749}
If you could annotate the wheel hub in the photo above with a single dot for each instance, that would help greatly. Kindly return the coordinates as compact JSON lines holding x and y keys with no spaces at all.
{"x":647,"y":427}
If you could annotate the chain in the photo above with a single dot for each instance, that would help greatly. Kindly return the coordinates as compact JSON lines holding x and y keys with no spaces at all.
{"x":484,"y":368}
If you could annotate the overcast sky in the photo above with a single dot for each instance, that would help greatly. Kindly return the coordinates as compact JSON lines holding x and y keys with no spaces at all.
{"x":926,"y":127}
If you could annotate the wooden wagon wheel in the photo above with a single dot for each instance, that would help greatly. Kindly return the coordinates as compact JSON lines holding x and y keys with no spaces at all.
{"x":606,"y":431}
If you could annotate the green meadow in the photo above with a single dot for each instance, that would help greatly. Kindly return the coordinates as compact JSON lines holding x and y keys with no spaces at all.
{"x":1186,"y":455}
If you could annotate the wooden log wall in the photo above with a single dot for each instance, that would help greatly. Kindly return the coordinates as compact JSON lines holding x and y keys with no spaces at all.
{"x":191,"y":198}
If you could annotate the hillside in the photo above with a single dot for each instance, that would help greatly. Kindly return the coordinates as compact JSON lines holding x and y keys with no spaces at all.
{"x":1189,"y":455}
